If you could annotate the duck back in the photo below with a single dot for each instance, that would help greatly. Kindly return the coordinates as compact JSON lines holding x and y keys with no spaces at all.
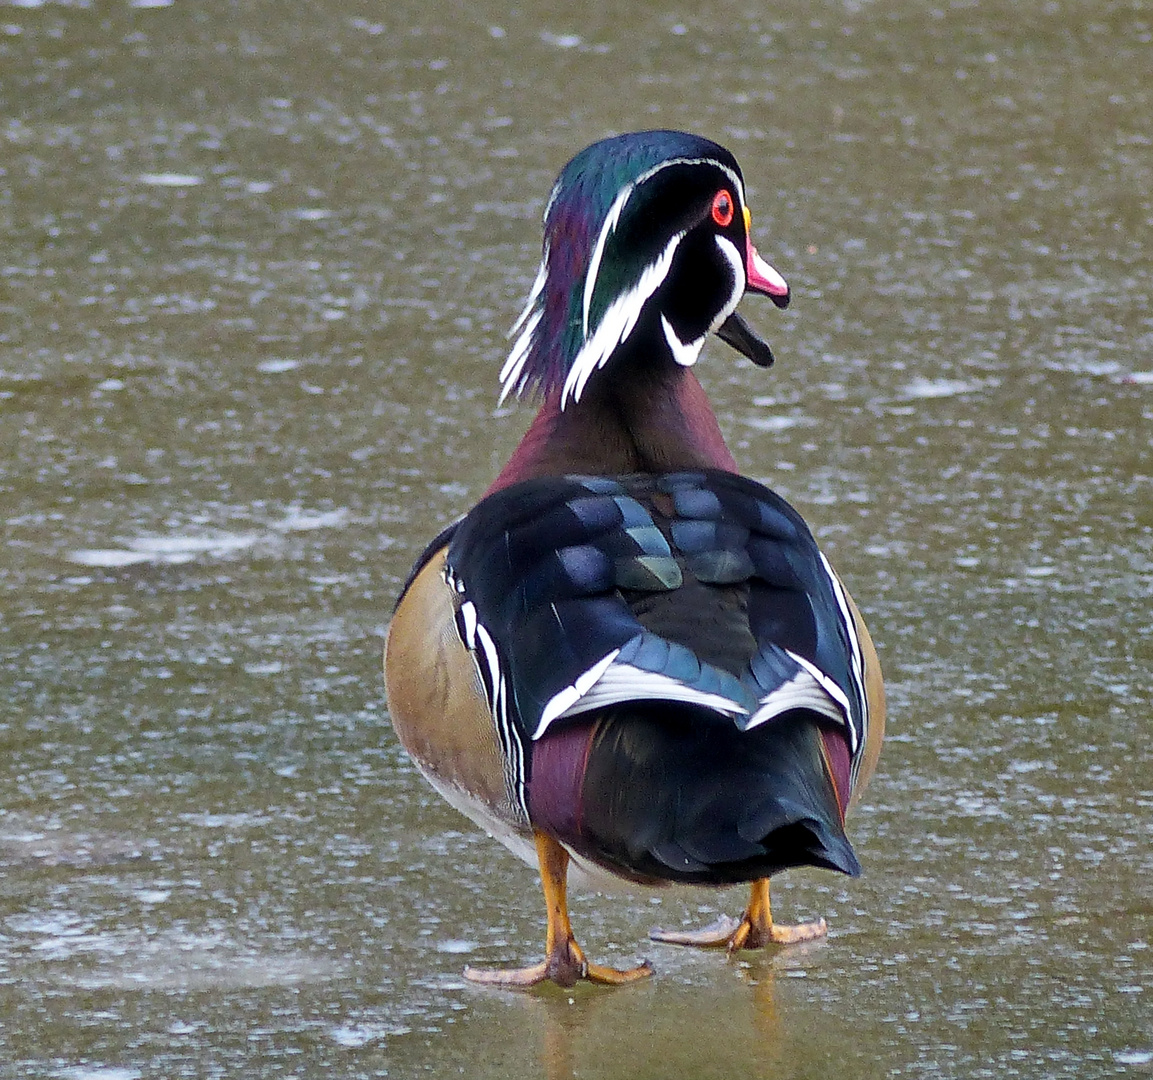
{"x":673,"y":671}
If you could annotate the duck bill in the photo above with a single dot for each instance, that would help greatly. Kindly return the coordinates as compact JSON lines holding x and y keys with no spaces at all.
{"x":762,"y":278}
{"x":736,"y":332}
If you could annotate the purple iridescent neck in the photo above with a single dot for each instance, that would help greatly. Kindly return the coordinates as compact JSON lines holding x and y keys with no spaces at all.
{"x":665,"y":425}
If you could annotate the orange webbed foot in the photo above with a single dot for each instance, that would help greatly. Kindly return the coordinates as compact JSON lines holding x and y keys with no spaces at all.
{"x":564,"y":962}
{"x":565,"y":965}
{"x":754,"y":930}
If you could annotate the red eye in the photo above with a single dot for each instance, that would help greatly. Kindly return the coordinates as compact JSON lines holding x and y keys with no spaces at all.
{"x":723,"y":208}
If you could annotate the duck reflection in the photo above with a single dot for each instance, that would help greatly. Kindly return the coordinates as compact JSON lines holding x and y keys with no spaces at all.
{"x":688,"y":1022}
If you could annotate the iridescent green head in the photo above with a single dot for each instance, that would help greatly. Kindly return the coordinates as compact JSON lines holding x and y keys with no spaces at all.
{"x":646,"y":246}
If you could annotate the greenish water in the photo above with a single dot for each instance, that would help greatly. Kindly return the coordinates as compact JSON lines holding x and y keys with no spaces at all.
{"x":256,"y":268}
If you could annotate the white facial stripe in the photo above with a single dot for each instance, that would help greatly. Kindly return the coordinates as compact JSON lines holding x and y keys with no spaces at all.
{"x":737,"y":185}
{"x":552,"y":198}
{"x":617,"y":323}
{"x":621,"y":316}
{"x":533,"y":293}
{"x":684,"y":353}
{"x":613,"y":217}
{"x":607,"y":228}
{"x":525,"y":326}
{"x":510,"y":374}
{"x":729,"y":250}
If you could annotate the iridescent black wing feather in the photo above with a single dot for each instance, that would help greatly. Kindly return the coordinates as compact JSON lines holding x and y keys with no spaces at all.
{"x":704,"y":588}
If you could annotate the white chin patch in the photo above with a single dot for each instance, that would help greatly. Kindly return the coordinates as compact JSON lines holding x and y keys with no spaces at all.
{"x":684,"y":353}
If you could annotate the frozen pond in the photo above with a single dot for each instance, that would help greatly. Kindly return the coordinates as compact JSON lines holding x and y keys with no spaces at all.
{"x":255,"y":275}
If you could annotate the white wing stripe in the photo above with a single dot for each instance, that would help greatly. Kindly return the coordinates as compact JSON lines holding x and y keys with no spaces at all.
{"x":836,"y":693}
{"x":623,"y":682}
{"x":802,"y":691}
{"x":560,"y":703}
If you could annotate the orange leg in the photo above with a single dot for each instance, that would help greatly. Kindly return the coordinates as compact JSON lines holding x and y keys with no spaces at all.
{"x":754,"y":930}
{"x":564,"y":961}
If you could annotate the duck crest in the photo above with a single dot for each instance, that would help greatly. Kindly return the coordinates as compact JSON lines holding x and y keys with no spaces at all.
{"x":606,"y":252}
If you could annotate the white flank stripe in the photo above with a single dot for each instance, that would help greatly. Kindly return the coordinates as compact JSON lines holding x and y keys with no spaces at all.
{"x":506,"y":731}
{"x":491,"y":659}
{"x":468,"y":613}
{"x":684,"y":353}
{"x":560,"y":704}
{"x":617,"y":323}
{"x":513,"y":752}
{"x":857,"y":666}
{"x":481,"y":645}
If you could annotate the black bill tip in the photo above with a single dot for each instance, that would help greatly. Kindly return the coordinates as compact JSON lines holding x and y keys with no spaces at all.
{"x":736,"y":332}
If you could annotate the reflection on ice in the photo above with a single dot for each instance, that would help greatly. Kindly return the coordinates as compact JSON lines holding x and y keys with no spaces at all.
{"x":301,"y":519}
{"x":98,"y":1072}
{"x":164,"y":549}
{"x":777,"y":423}
{"x":277,"y":365}
{"x":108,"y":558}
{"x":171,"y":550}
{"x":169,"y":179}
{"x":354,"y":1035}
{"x":79,"y":953}
{"x":456,"y":945}
{"x":939,"y":388}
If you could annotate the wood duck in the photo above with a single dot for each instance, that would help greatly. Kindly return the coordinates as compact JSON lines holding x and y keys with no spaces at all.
{"x":627,"y":656}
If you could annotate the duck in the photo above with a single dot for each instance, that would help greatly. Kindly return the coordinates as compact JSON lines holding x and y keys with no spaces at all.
{"x":629,"y":661}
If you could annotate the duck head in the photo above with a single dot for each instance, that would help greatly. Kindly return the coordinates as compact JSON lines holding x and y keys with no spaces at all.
{"x":647,"y":251}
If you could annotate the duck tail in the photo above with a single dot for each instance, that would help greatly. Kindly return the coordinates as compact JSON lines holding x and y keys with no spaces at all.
{"x":660,"y":794}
